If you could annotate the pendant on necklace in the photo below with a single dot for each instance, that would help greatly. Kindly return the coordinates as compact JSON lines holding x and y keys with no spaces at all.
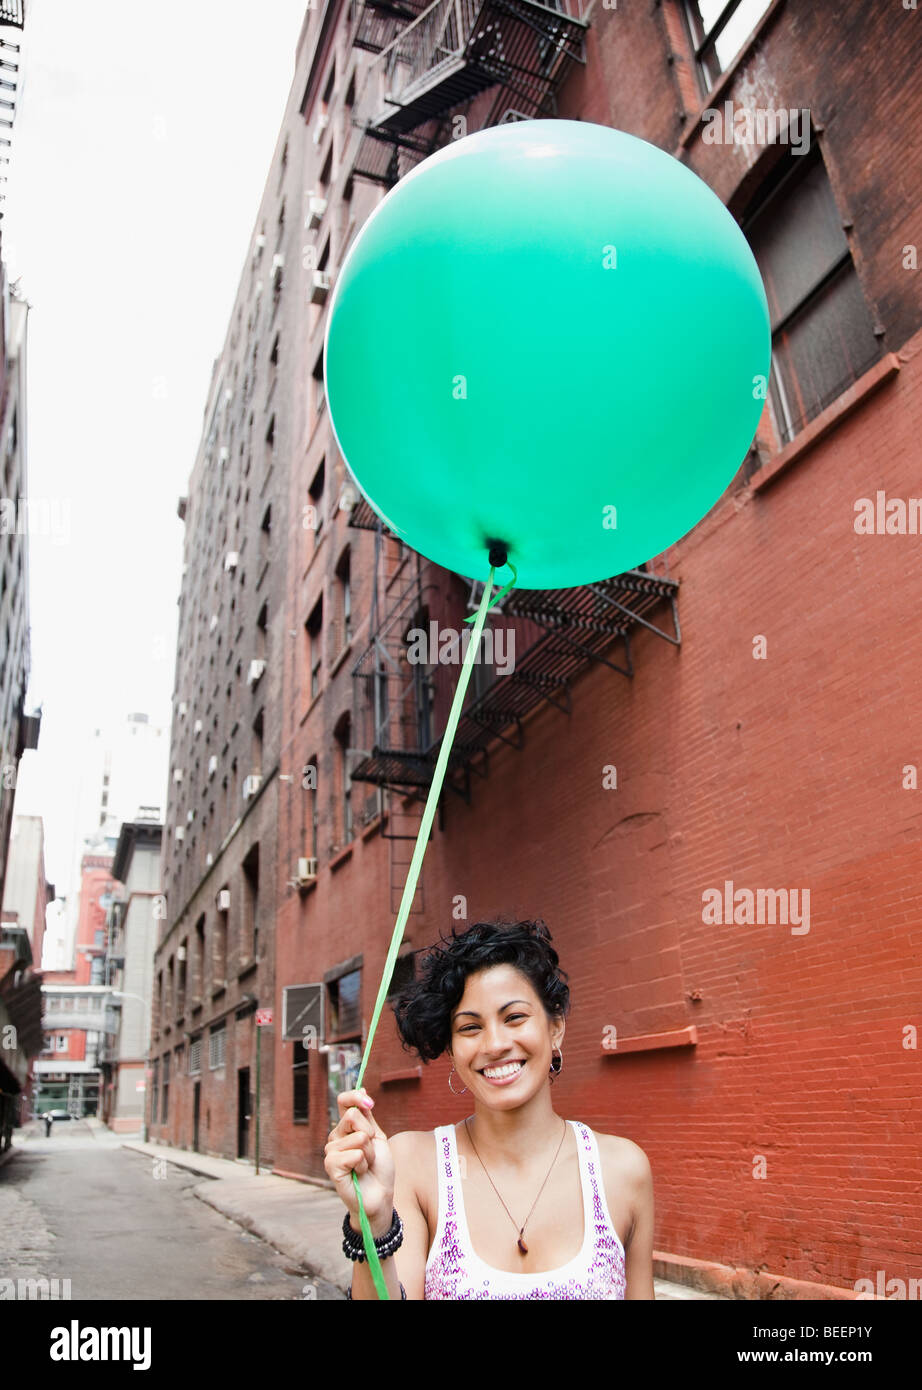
{"x":522,"y":1246}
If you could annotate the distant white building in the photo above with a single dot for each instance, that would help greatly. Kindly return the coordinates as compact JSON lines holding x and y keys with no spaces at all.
{"x":133,"y":919}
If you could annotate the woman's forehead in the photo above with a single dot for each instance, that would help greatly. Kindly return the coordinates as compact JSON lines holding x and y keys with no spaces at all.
{"x":499,"y":979}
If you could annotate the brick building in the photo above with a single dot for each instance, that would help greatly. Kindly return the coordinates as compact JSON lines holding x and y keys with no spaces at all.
{"x":134,"y":913}
{"x":76,"y":1012}
{"x":756,"y":691}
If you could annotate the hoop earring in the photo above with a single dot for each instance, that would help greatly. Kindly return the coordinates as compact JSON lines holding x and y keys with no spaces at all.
{"x":451,"y":1087}
{"x":555,"y":1071}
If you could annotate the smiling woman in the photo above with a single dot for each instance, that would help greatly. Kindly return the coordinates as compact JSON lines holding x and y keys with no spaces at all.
{"x":517,"y":1202}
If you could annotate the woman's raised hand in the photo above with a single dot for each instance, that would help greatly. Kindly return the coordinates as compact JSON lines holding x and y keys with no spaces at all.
{"x":358,"y":1144}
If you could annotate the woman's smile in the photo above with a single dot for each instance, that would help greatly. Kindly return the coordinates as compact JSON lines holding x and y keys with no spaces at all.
{"x":505,"y":1073}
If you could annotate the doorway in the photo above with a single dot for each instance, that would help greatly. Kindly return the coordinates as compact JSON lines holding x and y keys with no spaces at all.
{"x":196,"y":1114}
{"x":243,"y":1112}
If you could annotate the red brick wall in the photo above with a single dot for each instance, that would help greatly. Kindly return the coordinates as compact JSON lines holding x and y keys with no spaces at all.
{"x":776,"y":773}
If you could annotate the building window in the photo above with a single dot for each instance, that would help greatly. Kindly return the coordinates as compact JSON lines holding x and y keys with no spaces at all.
{"x":345,"y":1007}
{"x":718,"y":30}
{"x":195,"y":1056}
{"x":166,"y":1088}
{"x":155,"y":1091}
{"x":265,"y":533}
{"x":250,"y":942}
{"x":344,"y":600}
{"x":61,"y":1042}
{"x":269,"y":452}
{"x":314,"y":804}
{"x":342,"y":734}
{"x":313,"y":627}
{"x":300,"y":1077}
{"x":822,"y":333}
{"x":258,"y":726}
{"x":320,"y":398}
{"x":315,"y":492}
{"x":198,"y":982}
{"x":262,"y":626}
{"x":181,"y":983}
{"x":216,"y":1047}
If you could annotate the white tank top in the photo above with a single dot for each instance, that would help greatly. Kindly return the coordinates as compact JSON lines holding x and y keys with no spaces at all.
{"x":453,"y":1270}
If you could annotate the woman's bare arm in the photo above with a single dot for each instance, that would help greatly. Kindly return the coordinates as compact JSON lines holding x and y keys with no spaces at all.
{"x":410,"y":1258}
{"x":636,"y":1174}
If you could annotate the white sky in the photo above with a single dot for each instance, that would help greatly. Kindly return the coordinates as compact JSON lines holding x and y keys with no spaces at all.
{"x":144,"y":133}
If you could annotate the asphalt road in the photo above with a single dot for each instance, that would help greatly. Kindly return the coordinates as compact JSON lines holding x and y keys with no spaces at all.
{"x":79,"y":1207}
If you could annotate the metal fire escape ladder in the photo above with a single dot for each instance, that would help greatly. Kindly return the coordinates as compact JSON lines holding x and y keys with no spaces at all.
{"x":577,"y":626}
{"x":444,"y":57}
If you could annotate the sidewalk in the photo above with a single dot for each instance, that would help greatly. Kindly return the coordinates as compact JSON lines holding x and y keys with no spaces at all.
{"x":301,"y":1220}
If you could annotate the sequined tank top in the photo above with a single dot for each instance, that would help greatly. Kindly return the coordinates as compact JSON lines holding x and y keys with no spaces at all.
{"x":453,"y":1270}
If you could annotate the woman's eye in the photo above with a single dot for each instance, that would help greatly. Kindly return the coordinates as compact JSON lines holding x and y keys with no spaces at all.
{"x":511,"y":1019}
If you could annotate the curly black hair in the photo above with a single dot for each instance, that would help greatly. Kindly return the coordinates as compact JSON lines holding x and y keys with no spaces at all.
{"x":424,"y":1007}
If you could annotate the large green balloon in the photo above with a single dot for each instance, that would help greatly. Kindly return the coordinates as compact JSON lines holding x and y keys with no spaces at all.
{"x":552,"y":335}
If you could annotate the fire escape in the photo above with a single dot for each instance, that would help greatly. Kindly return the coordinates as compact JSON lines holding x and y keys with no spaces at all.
{"x":401,"y":708}
{"x":429,"y":65}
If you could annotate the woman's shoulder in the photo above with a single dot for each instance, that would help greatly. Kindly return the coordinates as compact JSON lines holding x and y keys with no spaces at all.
{"x":622,"y":1158}
{"x":415,"y":1150}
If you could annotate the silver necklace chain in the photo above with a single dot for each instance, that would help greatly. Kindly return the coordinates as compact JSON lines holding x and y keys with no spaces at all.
{"x":521,"y":1229}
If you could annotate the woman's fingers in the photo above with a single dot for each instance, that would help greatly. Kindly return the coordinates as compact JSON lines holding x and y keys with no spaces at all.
{"x":347,"y":1098}
{"x":354,"y":1121}
{"x":348,"y":1161}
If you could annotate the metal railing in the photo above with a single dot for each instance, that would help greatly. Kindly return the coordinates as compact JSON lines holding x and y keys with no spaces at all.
{"x":441,"y":33}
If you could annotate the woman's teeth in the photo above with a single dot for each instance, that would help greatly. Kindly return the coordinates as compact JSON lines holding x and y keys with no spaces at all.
{"x":498,"y":1073}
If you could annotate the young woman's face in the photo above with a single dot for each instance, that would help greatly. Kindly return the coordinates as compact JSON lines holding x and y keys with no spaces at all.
{"x":501,"y":1021}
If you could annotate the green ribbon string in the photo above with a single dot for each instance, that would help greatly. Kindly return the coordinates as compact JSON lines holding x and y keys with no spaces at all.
{"x":422,"y":840}
{"x":496,"y":597}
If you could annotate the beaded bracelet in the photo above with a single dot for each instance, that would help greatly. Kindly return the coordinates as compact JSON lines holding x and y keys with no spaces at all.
{"x":353,"y":1245}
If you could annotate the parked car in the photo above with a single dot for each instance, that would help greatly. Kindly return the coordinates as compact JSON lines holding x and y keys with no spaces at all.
{"x":59,"y":1115}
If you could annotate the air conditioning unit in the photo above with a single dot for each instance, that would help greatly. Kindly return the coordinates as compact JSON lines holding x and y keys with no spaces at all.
{"x":323,"y":120}
{"x":223,"y":454}
{"x":257,"y":666}
{"x":251,"y":785}
{"x":190,"y":817}
{"x":347,"y":498}
{"x":316,"y":207}
{"x":177,"y":774}
{"x":258,"y":244}
{"x":320,"y":284}
{"x":228,"y":395}
{"x":180,"y":953}
{"x":307,"y":872}
{"x":258,"y":288}
{"x":223,"y":900}
{"x":278,"y":262}
{"x":214,"y":622}
{"x":179,"y":833}
{"x":231,"y":560}
{"x":197,"y":727}
{"x":212,"y":764}
{"x":183,"y":707}
{"x":209,"y":860}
